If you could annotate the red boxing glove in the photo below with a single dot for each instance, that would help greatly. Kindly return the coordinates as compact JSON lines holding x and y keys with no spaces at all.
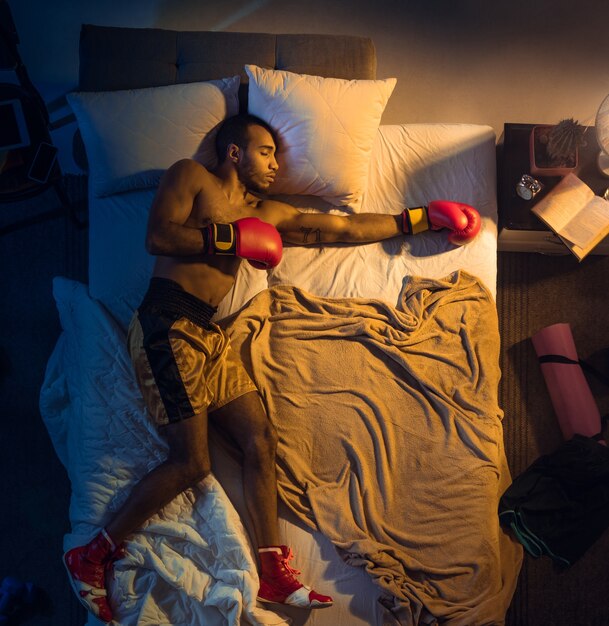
{"x":249,"y":238}
{"x":460,"y":218}
{"x":259,"y":242}
{"x":472,"y":228}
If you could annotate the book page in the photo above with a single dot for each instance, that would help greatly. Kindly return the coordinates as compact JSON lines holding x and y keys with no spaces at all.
{"x":563,"y":202}
{"x":592,"y":220}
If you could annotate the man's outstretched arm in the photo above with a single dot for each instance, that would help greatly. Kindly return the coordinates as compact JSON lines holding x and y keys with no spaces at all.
{"x":301,"y":228}
{"x":318,"y":228}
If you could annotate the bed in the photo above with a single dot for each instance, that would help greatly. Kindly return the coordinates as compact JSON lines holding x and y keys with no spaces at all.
{"x":378,"y":364}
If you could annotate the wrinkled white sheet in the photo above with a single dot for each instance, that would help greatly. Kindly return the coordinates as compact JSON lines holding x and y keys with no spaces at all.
{"x":192,"y":562}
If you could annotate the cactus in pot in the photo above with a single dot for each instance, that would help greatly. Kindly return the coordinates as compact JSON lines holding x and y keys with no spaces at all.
{"x":554,"y":148}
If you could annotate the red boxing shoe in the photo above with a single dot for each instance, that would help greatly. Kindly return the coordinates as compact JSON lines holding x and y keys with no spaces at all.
{"x":87,"y":566}
{"x":278,"y":582}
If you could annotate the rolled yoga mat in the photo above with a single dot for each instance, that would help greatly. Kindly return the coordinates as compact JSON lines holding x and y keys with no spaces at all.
{"x":573,"y":402}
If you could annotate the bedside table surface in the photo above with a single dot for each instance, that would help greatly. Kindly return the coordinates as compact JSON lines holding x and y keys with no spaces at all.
{"x":514,"y":212}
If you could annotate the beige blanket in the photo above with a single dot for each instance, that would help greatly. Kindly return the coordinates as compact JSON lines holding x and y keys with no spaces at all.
{"x":390,"y":437}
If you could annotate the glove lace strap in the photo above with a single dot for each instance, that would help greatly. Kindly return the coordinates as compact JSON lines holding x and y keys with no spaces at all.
{"x":219,"y":239}
{"x":415,"y":220}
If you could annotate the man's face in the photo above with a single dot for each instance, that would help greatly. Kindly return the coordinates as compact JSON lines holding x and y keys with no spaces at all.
{"x":257,"y":166}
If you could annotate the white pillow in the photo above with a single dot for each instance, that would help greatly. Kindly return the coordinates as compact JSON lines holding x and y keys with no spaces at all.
{"x":326,"y":128}
{"x":132,"y":136}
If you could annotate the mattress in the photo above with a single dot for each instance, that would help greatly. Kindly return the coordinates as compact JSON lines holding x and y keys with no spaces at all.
{"x":411,"y":165}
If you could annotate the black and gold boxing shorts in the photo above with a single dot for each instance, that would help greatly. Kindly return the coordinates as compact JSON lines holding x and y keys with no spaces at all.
{"x":183,"y":362}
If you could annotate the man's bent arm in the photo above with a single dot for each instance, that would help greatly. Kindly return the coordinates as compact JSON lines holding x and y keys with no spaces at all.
{"x":167,"y":233}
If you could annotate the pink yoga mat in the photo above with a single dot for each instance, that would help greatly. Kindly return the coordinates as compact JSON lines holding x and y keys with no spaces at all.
{"x":571,"y":397}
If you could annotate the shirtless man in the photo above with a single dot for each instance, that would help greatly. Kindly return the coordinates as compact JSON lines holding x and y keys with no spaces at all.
{"x":201,"y":225}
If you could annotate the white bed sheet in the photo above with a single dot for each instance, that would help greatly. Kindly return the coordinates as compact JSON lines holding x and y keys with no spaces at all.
{"x":411,"y":165}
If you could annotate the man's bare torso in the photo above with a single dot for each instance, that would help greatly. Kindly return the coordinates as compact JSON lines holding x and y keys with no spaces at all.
{"x":210,"y":278}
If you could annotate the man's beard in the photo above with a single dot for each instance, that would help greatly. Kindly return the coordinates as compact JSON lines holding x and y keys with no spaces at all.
{"x":254,"y":187}
{"x":246,"y":178}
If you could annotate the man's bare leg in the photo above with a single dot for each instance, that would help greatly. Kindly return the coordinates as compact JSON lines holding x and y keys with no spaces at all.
{"x":246,"y":421}
{"x":187,"y":463}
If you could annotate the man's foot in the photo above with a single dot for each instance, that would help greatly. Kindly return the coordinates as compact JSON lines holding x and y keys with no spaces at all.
{"x":278,"y":582}
{"x":87,"y":566}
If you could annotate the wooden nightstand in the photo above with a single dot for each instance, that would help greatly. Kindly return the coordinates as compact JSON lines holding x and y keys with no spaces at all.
{"x":519,"y":229}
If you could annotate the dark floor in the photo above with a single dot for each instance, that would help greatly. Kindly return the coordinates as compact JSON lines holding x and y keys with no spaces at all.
{"x":35,"y":491}
{"x":536,"y":291}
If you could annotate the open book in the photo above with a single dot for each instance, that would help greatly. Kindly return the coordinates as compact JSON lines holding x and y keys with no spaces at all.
{"x":578,"y":216}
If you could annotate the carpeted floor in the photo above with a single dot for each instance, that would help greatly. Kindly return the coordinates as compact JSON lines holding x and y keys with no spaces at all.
{"x":533,"y":291}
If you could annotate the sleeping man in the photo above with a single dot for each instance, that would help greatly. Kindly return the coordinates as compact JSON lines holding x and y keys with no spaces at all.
{"x":202,"y":224}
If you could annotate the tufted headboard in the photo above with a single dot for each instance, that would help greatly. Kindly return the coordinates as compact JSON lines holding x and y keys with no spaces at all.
{"x":113,"y":58}
{"x":129,"y":58}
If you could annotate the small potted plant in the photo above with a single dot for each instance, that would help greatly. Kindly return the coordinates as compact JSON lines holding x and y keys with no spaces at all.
{"x":554,"y":148}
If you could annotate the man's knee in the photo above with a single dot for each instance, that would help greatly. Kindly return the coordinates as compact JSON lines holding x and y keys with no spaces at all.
{"x":188,"y":453}
{"x":262,"y":444}
{"x":246,"y":421}
{"x":190,"y":465}
{"x":190,"y":471}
